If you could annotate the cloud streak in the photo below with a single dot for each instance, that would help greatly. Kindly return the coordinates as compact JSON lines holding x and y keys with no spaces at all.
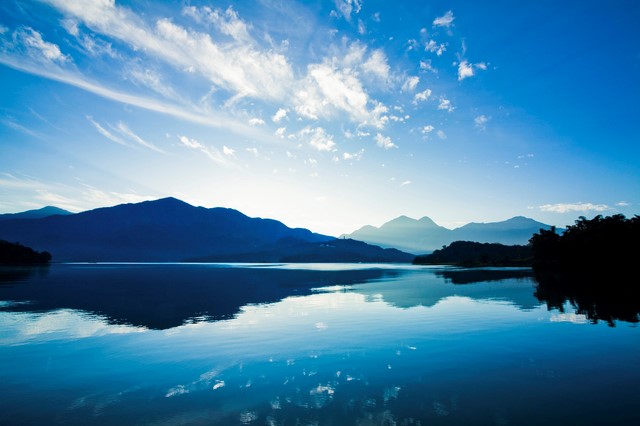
{"x":574,"y":207}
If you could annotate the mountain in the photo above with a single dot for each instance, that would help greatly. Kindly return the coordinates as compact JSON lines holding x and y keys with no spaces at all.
{"x":406,"y":234}
{"x":162,"y":230}
{"x":35,"y":214}
{"x":424,"y":235}
{"x":517,"y":230}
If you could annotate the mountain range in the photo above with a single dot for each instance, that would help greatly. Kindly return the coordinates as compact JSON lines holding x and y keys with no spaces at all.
{"x":424,"y":235}
{"x":168,"y":230}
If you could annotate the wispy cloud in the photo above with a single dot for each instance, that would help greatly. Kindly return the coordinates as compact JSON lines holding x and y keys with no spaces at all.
{"x":192,"y":114}
{"x":13,"y":124}
{"x":427,"y":66}
{"x":211,"y":152}
{"x":410,"y":84}
{"x":38,"y":48}
{"x":480,"y":122}
{"x":125,"y":130}
{"x":104,"y":132}
{"x":347,"y":7}
{"x":574,"y":207}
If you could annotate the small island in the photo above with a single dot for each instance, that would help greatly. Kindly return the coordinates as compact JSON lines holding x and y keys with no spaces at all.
{"x":17,"y":254}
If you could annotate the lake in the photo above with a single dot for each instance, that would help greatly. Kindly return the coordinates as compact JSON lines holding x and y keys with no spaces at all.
{"x":317,"y":344}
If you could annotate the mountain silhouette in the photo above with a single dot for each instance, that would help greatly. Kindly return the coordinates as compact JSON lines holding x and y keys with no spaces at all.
{"x":35,"y":214}
{"x":171,"y":230}
{"x":424,"y":235}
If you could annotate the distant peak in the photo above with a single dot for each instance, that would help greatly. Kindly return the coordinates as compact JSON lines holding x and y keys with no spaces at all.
{"x":427,"y":219}
{"x":520,"y":219}
{"x":169,"y":201}
{"x":402,"y":219}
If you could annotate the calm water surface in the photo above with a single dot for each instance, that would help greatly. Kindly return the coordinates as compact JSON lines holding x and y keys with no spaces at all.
{"x":194,"y":344}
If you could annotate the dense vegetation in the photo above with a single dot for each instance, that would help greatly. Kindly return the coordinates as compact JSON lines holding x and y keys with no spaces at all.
{"x":591,"y":266}
{"x":470,"y":254}
{"x":589,"y":247}
{"x":13,"y":253}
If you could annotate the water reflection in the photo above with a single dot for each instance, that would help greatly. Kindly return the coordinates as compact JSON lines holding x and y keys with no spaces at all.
{"x":167,"y":296}
{"x":417,"y":288}
{"x":379,"y":345}
{"x":164,"y":296}
{"x":16,"y":274}
{"x":477,"y":275}
{"x":591,"y":296}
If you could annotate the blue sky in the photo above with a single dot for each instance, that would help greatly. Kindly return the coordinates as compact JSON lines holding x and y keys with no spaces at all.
{"x":327,"y":115}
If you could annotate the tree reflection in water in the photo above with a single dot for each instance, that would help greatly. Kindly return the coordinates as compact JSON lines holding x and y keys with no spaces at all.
{"x":599,"y":297}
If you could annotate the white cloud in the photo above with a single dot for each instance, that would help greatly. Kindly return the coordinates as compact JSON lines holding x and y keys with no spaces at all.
{"x":623,"y":204}
{"x":279,"y":115}
{"x":356,"y":156}
{"x":256,"y":121}
{"x":427,"y":129}
{"x":384,"y":141}
{"x":426,"y":66}
{"x":280,"y":132}
{"x":445,"y":104}
{"x":38,"y":48}
{"x":124,"y":129}
{"x":422,"y":96}
{"x":574,"y":207}
{"x":228,"y":151}
{"x":442,"y":135}
{"x":433,"y":47}
{"x":410,"y":84}
{"x":347,"y":7}
{"x":239,"y":65}
{"x":481,"y":122}
{"x":444,"y":21}
{"x":377,"y":65}
{"x":253,"y":151}
{"x":318,"y":138}
{"x":329,"y":89}
{"x":405,"y":183}
{"x":466,"y":69}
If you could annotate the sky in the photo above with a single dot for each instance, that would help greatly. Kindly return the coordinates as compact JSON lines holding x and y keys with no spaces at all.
{"x":327,"y":115}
